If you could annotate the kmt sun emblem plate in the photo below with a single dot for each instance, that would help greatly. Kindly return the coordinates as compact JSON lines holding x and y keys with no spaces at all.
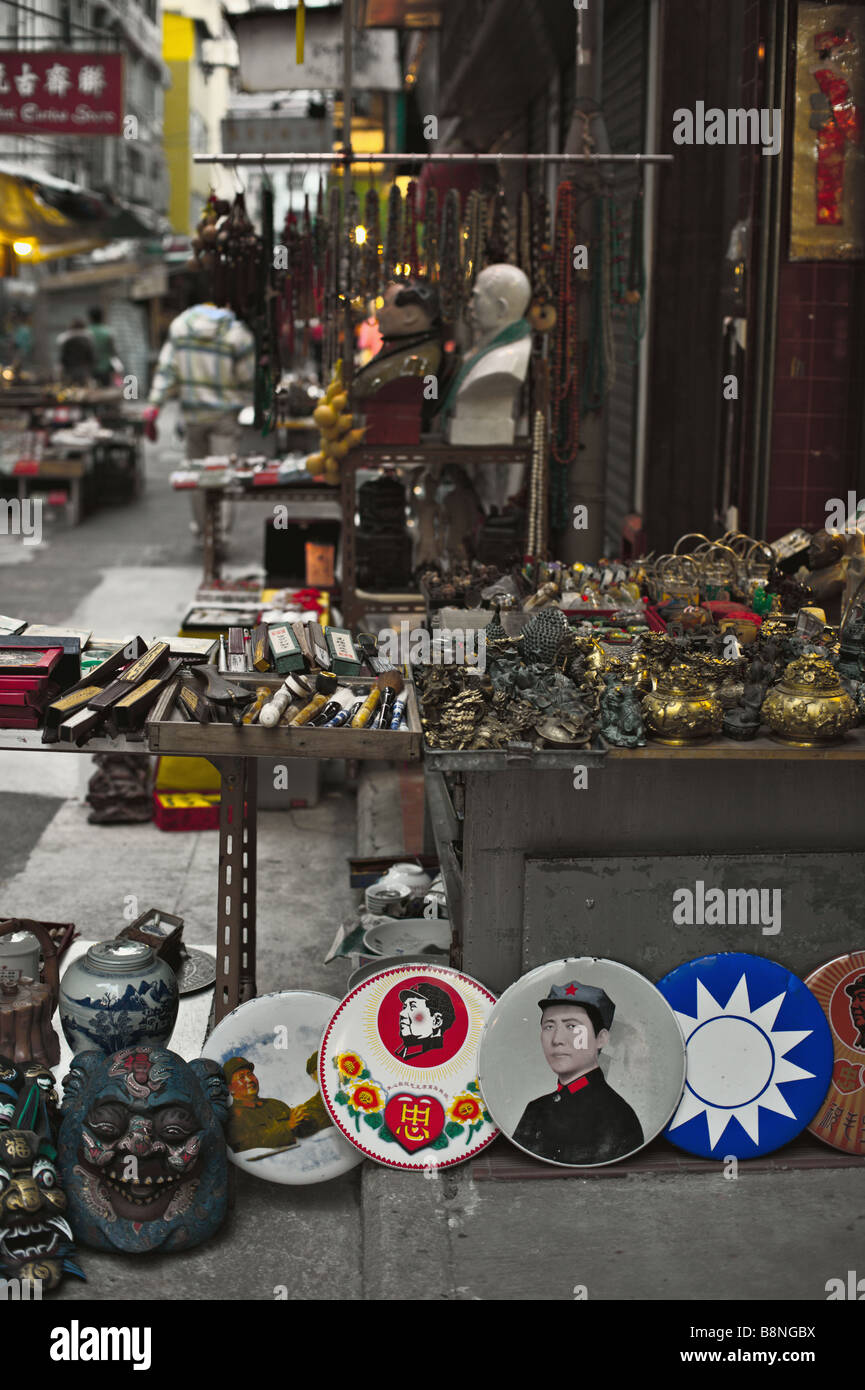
{"x":839,"y":987}
{"x":398,"y":1067}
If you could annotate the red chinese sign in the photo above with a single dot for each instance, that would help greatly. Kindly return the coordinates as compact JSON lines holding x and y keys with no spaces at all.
{"x":61,"y":93}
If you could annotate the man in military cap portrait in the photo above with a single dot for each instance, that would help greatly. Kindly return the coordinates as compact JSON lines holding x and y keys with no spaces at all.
{"x":426,"y":1014}
{"x":856,"y":991}
{"x":584,"y":1121}
{"x":254,"y":1123}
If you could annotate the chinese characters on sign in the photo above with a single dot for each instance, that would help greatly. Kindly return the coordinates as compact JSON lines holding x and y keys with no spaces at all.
{"x":61,"y":93}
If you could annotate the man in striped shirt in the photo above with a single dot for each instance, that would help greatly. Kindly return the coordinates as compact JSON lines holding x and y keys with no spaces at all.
{"x":208,"y":361}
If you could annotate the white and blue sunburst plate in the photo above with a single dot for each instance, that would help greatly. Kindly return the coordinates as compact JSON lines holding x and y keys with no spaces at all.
{"x":759,"y":1055}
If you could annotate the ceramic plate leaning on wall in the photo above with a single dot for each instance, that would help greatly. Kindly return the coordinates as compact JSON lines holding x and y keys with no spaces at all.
{"x":399,"y":1067}
{"x":839,"y":986}
{"x":759,"y":1055}
{"x":279,"y":1128}
{"x":582,"y":1062}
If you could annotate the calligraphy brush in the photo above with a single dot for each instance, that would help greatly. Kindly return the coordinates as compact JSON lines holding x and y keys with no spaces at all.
{"x":394,"y":687}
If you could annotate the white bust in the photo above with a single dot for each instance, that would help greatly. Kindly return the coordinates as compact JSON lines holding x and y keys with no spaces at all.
{"x":492,"y":372}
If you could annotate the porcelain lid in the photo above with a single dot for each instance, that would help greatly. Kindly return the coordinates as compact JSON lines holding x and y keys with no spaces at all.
{"x":120,"y":956}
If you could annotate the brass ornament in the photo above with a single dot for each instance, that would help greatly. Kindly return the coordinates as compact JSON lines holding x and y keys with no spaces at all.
{"x":809,"y":706}
{"x":682,"y":709}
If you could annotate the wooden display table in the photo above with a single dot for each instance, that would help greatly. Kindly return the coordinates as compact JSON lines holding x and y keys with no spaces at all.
{"x":537,"y":868}
{"x":234,"y":753}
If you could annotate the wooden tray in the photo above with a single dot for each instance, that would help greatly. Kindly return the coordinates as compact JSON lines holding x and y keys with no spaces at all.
{"x":175,"y":735}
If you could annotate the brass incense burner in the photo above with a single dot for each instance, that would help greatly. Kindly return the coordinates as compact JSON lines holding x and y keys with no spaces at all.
{"x":809,"y":706}
{"x":682,"y":709}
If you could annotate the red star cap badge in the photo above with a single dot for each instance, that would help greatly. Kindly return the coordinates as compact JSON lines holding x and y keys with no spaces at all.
{"x":571,"y":989}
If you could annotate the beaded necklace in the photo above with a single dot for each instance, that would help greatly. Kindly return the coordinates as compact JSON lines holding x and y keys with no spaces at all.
{"x":332,"y":281}
{"x":565,"y":410}
{"x":499,"y":234}
{"x":474,"y":237}
{"x":524,"y":234}
{"x":393,"y":240}
{"x":410,"y":258}
{"x":450,"y":262}
{"x":352,"y":251}
{"x":430,"y":236}
{"x":542,"y":314}
{"x":372,"y":248}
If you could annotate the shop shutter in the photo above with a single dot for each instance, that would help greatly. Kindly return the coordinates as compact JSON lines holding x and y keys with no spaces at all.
{"x":624,"y":101}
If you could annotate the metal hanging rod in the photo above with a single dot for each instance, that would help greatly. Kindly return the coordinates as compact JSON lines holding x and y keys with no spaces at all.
{"x":412,"y":158}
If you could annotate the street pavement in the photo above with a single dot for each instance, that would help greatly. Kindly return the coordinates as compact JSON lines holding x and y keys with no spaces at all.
{"x":374,"y":1234}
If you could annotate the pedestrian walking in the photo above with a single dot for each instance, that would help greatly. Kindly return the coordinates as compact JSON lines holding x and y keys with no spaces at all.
{"x":76,"y":355}
{"x":104,"y":350}
{"x":208,"y":362}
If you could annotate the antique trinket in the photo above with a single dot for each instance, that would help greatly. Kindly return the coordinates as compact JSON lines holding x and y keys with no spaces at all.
{"x":621,"y":720}
{"x":839,"y":988}
{"x":119,"y":994}
{"x":759,"y":1055}
{"x":615,"y":1052}
{"x":809,"y":706}
{"x":142,"y":1153}
{"x":36,"y":1243}
{"x":398,"y":1067}
{"x":278,"y":1127}
{"x":26,"y":1005}
{"x":682,"y":710}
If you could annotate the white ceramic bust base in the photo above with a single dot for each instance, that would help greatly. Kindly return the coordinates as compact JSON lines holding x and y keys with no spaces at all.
{"x":486,"y":401}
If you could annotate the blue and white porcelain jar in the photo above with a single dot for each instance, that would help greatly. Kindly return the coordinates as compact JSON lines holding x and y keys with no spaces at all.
{"x":119,"y":994}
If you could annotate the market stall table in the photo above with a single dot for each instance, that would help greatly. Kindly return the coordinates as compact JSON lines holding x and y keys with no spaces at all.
{"x":303,"y":504}
{"x":539,"y":867}
{"x":233,"y":752}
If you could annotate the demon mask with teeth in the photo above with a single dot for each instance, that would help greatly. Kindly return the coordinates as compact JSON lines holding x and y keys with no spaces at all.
{"x":142,"y":1150}
{"x":35,"y":1238}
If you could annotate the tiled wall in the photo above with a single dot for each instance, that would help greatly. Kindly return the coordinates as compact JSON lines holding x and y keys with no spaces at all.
{"x":815,"y":419}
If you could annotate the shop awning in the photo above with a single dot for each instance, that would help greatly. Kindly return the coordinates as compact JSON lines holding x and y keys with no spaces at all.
{"x":56,"y":218}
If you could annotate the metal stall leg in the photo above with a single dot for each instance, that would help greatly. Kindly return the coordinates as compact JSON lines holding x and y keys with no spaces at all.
{"x":235,"y":914}
{"x":212,"y":537}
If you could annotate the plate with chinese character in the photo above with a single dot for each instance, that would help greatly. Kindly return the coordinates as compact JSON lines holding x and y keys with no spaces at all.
{"x":398,"y":1067}
{"x":759,"y":1055}
{"x":582,"y":1063}
{"x":839,"y":987}
{"x":278,"y":1127}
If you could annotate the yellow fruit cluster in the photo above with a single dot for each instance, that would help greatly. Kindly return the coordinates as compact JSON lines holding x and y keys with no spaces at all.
{"x":336,"y":425}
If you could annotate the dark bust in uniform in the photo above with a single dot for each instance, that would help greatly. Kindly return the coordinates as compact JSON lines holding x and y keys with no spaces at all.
{"x":584,"y":1121}
{"x":411,"y":327}
{"x":426,"y":1014}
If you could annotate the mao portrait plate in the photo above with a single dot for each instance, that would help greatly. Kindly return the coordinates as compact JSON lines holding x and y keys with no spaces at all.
{"x":582,"y":1062}
{"x":398,"y":1067}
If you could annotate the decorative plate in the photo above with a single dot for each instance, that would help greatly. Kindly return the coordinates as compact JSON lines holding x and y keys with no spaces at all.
{"x":759,"y":1055}
{"x":279,"y":1128}
{"x":197,"y":970}
{"x":398,"y":1067}
{"x":840,"y":988}
{"x":582,"y":1062}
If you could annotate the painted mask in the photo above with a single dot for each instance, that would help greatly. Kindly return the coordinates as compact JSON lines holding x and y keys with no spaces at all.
{"x":35,"y":1237}
{"x":142,"y":1150}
